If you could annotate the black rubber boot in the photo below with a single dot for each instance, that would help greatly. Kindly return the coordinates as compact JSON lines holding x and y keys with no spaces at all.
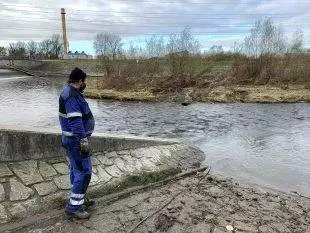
{"x":79,"y":214}
{"x":88,"y":202}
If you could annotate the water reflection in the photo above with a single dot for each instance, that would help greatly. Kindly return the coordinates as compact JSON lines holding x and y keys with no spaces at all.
{"x":262,"y":143}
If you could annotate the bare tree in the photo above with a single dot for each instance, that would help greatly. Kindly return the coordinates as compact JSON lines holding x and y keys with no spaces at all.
{"x":184,"y":41}
{"x":265,"y":39}
{"x":2,"y":52}
{"x":181,"y":48}
{"x":45,"y":49}
{"x":172,"y":45}
{"x":188,"y":42}
{"x":51,"y":48}
{"x":17,"y":51}
{"x":237,"y":47}
{"x":154,"y":50}
{"x":56,"y":47}
{"x":108,"y":46}
{"x":297,"y":42}
{"x":155,"y":46}
{"x":265,"y":42}
{"x":32,"y":49}
{"x":216,"y":49}
{"x":132,"y":51}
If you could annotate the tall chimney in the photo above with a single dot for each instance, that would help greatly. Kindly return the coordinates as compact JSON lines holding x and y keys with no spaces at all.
{"x":64,"y":29}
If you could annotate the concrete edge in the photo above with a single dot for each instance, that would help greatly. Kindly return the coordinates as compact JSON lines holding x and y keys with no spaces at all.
{"x":55,"y":131}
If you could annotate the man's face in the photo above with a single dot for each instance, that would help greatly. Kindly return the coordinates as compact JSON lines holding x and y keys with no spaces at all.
{"x":81,"y":86}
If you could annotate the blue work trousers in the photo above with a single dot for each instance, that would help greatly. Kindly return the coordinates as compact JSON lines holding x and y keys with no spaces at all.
{"x":80,"y":172}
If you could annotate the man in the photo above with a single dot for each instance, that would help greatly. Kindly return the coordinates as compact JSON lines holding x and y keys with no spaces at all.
{"x":77,"y":124}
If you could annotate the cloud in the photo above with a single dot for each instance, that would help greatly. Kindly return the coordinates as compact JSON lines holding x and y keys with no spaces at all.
{"x":213,"y":21}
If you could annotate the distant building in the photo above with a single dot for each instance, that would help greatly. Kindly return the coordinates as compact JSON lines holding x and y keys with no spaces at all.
{"x":77,"y":55}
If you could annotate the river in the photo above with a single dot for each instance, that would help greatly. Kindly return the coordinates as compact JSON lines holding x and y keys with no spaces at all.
{"x":266,"y":144}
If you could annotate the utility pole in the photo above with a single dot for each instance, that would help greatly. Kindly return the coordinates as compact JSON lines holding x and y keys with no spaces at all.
{"x":64,"y":30}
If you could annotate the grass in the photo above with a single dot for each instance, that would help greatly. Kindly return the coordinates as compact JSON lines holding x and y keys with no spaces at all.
{"x":120,"y":95}
{"x":142,"y":178}
{"x":276,"y":94}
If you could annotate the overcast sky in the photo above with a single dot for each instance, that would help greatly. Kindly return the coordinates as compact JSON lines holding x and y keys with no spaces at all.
{"x":220,"y":22}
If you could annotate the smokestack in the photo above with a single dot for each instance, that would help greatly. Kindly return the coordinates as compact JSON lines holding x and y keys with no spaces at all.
{"x":64,"y":30}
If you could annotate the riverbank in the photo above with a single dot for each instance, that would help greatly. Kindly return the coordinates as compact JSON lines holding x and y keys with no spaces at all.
{"x":246,"y":94}
{"x":211,"y":79}
{"x":199,"y":203}
{"x":164,"y":89}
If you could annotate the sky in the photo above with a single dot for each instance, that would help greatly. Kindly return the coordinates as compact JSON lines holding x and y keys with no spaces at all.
{"x":212,"y":22}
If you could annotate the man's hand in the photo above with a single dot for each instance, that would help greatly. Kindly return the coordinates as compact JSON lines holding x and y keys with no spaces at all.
{"x":85,"y":148}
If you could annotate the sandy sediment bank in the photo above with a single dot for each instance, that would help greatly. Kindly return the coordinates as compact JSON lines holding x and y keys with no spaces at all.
{"x":198,"y":203}
{"x":244,"y":94}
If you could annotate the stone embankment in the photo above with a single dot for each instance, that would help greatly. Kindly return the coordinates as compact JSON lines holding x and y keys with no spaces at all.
{"x":34,"y":172}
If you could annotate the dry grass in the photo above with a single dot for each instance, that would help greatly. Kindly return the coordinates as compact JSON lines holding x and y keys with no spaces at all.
{"x":256,"y":94}
{"x":120,"y":95}
{"x":276,"y":94}
{"x":214,"y":78}
{"x":221,"y":94}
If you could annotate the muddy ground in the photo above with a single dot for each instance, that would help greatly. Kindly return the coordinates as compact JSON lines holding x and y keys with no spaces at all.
{"x":196,"y":204}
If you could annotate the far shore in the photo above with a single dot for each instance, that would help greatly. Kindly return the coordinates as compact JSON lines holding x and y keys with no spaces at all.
{"x":221,"y":94}
{"x":145,"y":91}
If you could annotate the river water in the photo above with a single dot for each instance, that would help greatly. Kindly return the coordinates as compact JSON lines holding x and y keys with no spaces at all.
{"x":268,"y":144}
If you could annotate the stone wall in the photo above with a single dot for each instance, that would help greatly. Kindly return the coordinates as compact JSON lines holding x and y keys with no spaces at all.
{"x":41,"y":182}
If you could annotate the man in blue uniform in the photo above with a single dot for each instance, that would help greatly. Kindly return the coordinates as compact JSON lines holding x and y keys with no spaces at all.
{"x":77,"y":124}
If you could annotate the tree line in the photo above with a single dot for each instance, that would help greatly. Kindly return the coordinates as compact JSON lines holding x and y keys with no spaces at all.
{"x":265,"y":38}
{"x":46,"y":49}
{"x":265,"y":56}
{"x":110,"y":50}
{"x":268,"y":57}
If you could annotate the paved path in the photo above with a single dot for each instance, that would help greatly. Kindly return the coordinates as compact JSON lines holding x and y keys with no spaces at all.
{"x":197,"y":204}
